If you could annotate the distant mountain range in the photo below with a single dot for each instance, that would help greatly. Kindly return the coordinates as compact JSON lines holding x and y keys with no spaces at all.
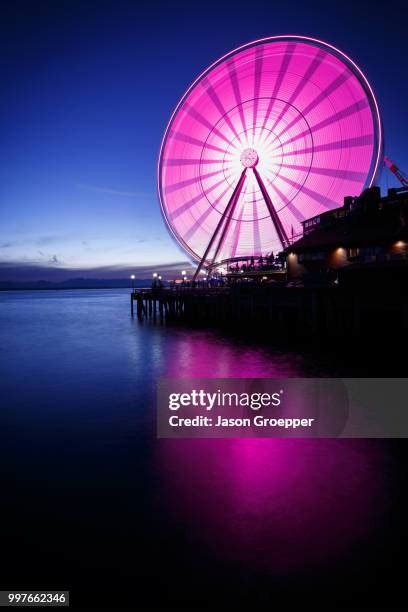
{"x":76,"y":283}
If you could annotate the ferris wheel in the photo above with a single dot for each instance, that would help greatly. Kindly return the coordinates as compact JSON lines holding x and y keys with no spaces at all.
{"x":273,"y":133}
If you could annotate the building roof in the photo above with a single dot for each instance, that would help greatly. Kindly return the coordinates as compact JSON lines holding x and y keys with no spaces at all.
{"x":375,"y":222}
{"x":346,"y":235}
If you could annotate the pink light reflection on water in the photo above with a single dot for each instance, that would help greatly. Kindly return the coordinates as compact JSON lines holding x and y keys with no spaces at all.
{"x":277,"y":505}
{"x":209,"y":356}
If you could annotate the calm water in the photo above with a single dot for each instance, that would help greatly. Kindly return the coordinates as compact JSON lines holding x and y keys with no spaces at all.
{"x":93,"y":502}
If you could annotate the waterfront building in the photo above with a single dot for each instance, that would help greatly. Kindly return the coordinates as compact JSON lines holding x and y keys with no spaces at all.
{"x":367,"y":236}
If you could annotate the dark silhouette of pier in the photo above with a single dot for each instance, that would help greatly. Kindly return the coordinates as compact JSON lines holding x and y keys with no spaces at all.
{"x":281,"y":312}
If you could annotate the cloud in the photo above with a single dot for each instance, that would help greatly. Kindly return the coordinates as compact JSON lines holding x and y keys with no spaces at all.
{"x":117,"y":192}
{"x":44,"y":240}
{"x":44,"y":259}
{"x":38,"y":241}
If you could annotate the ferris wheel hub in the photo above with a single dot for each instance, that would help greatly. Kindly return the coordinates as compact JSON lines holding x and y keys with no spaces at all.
{"x":249,"y":158}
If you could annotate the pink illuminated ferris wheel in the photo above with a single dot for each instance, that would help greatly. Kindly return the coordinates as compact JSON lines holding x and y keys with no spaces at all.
{"x":271,"y":134}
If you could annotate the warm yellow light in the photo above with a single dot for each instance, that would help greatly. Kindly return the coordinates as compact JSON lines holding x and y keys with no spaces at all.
{"x":400,"y":244}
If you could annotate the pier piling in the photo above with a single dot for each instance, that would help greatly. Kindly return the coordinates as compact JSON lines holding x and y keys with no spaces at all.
{"x":303,"y":312}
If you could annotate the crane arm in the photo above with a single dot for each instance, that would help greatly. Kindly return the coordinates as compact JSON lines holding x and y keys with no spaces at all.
{"x":396,"y":171}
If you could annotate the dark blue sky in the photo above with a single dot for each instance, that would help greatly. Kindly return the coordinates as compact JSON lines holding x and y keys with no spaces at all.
{"x":87,"y":90}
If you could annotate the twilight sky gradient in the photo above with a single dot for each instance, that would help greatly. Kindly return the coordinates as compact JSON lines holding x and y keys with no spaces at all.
{"x":87,"y":90}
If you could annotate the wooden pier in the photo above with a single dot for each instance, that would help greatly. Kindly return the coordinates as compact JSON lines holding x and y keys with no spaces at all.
{"x":299,"y":312}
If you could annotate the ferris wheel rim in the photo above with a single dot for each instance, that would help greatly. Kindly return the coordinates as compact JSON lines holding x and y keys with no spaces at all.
{"x":376,"y":164}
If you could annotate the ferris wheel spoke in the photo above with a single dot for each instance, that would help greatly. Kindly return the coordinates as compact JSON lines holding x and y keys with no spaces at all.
{"x":286,"y":59}
{"x":199,"y":197}
{"x":280,"y":230}
{"x":321,"y":199}
{"x":190,"y":181}
{"x":353,"y":109}
{"x":289,"y":204}
{"x":212,"y":94}
{"x":350,"y":143}
{"x":174,"y":161}
{"x":327,"y":92}
{"x":194,"y":141}
{"x":350,"y":175}
{"x":313,"y":66}
{"x":232,"y":73}
{"x":198,"y":223}
{"x":267,"y":138}
{"x":201,"y":119}
{"x":259,"y":53}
